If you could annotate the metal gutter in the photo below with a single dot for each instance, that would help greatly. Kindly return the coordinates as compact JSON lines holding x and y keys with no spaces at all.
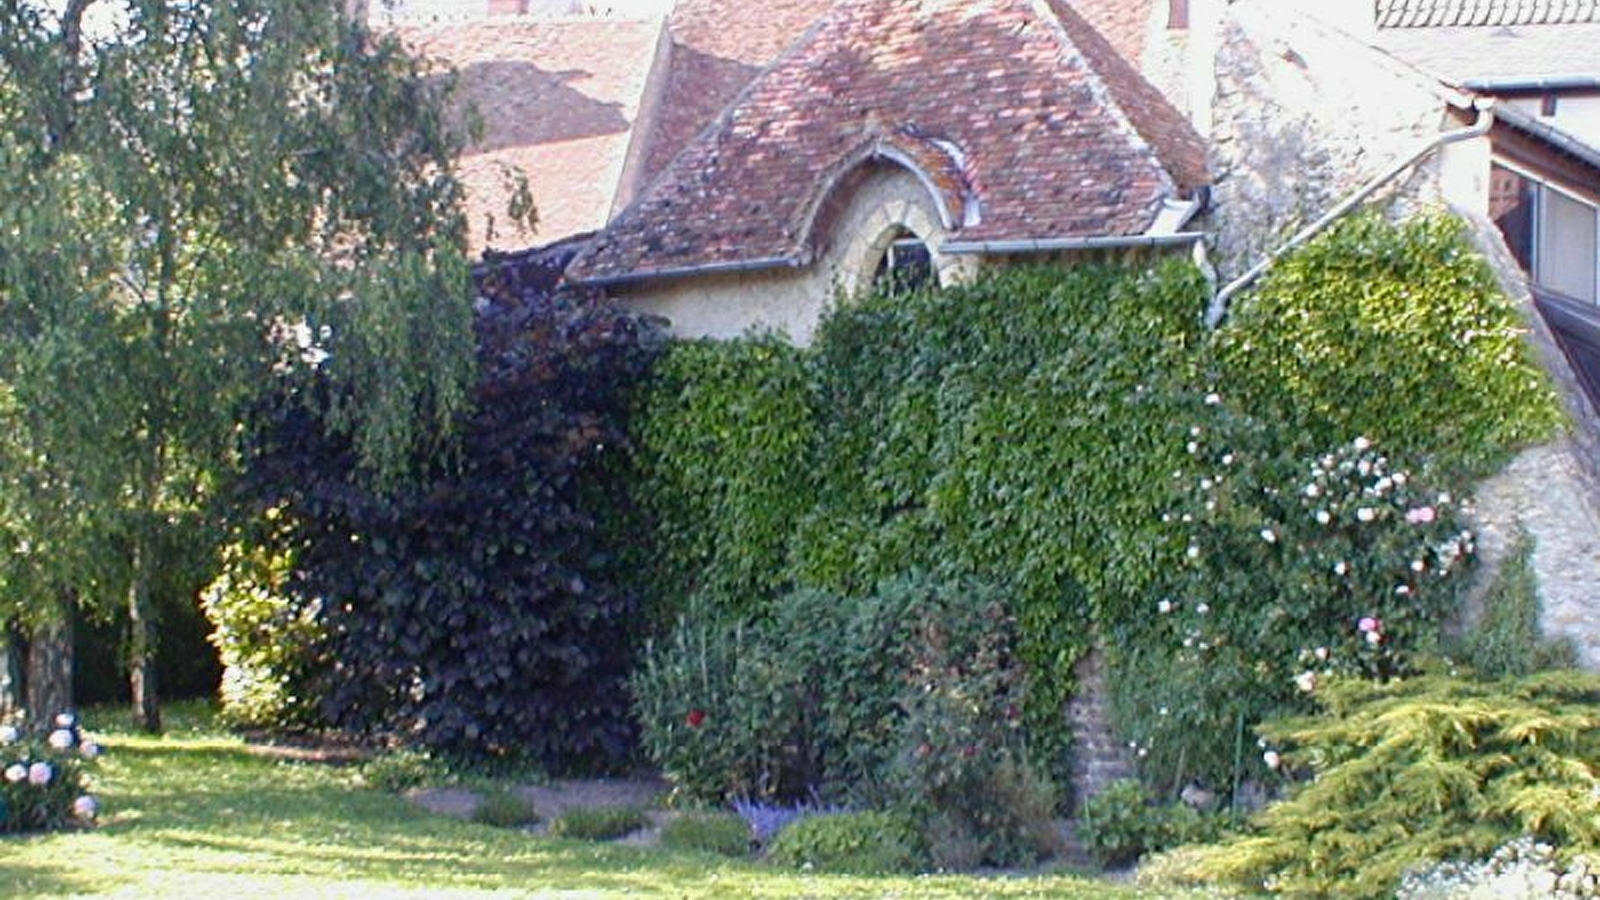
{"x":1042,"y":245}
{"x":1547,"y":83}
{"x":1486,"y":119}
{"x":727,"y":268}
{"x":1550,"y":134}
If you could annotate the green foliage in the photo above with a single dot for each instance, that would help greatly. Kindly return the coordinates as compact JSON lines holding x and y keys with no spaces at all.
{"x":601,"y":824}
{"x":808,"y":700}
{"x":1013,"y":429}
{"x":1429,"y":768}
{"x":865,"y":843}
{"x":42,"y":778}
{"x":1024,"y":430}
{"x":725,"y":430}
{"x":195,"y":197}
{"x":268,"y":639}
{"x":504,"y":809}
{"x":400,"y":770}
{"x":1396,"y":332}
{"x":1122,"y":823}
{"x":1507,"y":640}
{"x":909,"y":698}
{"x":1283,"y":568}
{"x":719,"y":833}
{"x":961,"y":764}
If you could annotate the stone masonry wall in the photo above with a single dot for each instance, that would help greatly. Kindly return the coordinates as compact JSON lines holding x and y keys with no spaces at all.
{"x":1098,"y":758}
{"x":1303,"y":115}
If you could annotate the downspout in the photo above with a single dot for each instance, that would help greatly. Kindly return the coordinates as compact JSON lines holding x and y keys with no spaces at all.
{"x":1219,"y":304}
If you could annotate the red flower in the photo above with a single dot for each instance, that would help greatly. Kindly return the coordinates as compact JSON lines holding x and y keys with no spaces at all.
{"x":697,"y":717}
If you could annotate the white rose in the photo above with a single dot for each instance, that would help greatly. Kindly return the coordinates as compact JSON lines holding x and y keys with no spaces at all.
{"x":1340,"y":568}
{"x":1213,"y":399}
{"x":1313,"y":490}
{"x":1323,"y":517}
{"x":89,"y":749}
{"x":85,"y":808}
{"x":1272,"y":759}
{"x":1203,"y":608}
{"x":39,"y":774}
{"x":61,"y":739}
{"x":1418,"y":565}
{"x":66,"y":720}
{"x":1268,"y":535}
{"x":1321,"y":654}
{"x":1374,"y":638}
{"x":1366,"y":514}
{"x":1193,"y":551}
{"x":1362,"y":445}
{"x":9,"y":734}
{"x":1164,"y":607}
{"x":1306,"y":681}
{"x":1193,"y":448}
{"x":16,"y":773}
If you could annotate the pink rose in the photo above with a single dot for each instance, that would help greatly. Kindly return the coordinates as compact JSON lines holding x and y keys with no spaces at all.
{"x":1368,"y":625}
{"x":1422,"y":515}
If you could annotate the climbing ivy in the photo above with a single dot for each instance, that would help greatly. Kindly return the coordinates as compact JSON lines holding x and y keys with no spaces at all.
{"x":1010,"y":430}
{"x":1025,"y":430}
{"x":1398,"y":333}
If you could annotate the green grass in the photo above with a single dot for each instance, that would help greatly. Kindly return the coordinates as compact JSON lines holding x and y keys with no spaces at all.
{"x":193,"y":814}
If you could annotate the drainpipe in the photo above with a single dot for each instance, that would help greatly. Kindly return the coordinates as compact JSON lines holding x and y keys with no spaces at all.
{"x":1219,"y":304}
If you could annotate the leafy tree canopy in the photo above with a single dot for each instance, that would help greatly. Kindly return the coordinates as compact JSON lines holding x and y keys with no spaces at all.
{"x":192,"y":196}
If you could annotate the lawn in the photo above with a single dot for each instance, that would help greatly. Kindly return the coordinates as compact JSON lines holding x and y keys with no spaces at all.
{"x":194,"y":814}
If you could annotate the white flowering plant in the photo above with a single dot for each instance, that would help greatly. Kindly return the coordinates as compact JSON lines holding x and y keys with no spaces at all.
{"x":43,"y":777}
{"x":1285,"y":566}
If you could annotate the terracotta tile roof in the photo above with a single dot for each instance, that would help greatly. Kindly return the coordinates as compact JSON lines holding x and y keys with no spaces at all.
{"x":1468,"y":55}
{"x":558,"y":100}
{"x":1478,"y":13}
{"x":718,"y":48}
{"x":1125,"y":23}
{"x":1024,"y":118}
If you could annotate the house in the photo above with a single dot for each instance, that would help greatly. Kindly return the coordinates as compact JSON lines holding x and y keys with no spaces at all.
{"x":734,"y":165}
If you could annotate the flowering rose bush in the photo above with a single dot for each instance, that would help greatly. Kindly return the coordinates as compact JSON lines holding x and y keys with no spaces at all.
{"x":42,"y":777}
{"x":1287,"y":566}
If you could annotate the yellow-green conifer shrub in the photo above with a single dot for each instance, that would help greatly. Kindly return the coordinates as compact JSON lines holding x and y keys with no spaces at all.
{"x":1430,"y":768}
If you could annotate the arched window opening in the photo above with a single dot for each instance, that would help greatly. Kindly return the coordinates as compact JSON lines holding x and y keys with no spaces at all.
{"x":907,"y":265}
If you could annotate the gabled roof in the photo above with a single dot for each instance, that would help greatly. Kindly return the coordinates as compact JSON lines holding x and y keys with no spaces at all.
{"x":558,"y":100}
{"x":1022,"y":120}
{"x":718,"y":48}
{"x":1480,"y":13}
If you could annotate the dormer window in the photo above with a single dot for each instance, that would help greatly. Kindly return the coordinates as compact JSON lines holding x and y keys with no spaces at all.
{"x":907,"y":265}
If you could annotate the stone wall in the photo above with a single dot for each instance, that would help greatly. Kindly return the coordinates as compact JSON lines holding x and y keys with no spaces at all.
{"x":1552,"y":492}
{"x":1098,"y":758}
{"x":1303,"y":115}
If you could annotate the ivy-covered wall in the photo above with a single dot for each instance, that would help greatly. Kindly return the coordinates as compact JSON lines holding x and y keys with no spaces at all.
{"x":1035,"y":430}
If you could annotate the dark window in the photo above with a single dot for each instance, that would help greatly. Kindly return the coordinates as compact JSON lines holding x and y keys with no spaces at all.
{"x":1177,"y":13}
{"x":906,"y":266}
{"x":1511,"y":201}
{"x":1547,"y":106}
